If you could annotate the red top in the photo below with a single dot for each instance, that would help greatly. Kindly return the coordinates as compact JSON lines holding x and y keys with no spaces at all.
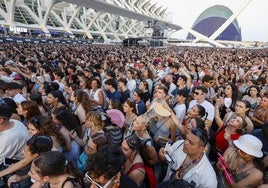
{"x":220,"y":142}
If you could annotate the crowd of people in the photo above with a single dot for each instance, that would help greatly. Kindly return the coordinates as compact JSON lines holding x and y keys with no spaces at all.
{"x":113,"y":116}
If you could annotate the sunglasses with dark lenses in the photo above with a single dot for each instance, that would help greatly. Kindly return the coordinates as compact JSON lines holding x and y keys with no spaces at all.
{"x":196,"y":93}
{"x":201,"y":135}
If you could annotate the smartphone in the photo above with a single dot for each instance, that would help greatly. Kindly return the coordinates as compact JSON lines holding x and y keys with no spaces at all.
{"x":9,"y":161}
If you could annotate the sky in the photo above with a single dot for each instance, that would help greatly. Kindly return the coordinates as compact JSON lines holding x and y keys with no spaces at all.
{"x":253,"y":20}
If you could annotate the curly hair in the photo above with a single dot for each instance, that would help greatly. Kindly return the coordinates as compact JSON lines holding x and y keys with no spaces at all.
{"x":83,"y":98}
{"x":32,"y":109}
{"x":95,"y":118}
{"x":67,"y":119}
{"x":108,"y":162}
{"x":45,"y":126}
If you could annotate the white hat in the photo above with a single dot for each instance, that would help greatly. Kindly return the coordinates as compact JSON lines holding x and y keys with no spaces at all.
{"x":160,"y":109}
{"x":249,"y":144}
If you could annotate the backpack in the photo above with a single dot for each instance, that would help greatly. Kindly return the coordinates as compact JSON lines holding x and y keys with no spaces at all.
{"x":150,"y":180}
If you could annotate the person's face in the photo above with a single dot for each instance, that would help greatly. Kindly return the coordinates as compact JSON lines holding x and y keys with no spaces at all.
{"x":11,"y":92}
{"x":240,"y":108}
{"x":88,"y":123}
{"x":32,"y":130}
{"x":100,"y":182}
{"x":87,"y":73}
{"x":180,"y":81}
{"x":193,"y":112}
{"x":90,"y":147}
{"x":27,"y":153}
{"x":160,"y":94}
{"x":228,"y":90}
{"x":21,"y":111}
{"x":51,"y":99}
{"x":145,"y":73}
{"x":129,"y":75}
{"x":198,"y":94}
{"x":180,"y":98}
{"x":34,"y":174}
{"x":126,"y":107}
{"x":191,"y":125}
{"x":141,"y":86}
{"x":264,"y":102}
{"x":54,"y":119}
{"x":94,"y":84}
{"x":253,"y":92}
{"x":126,"y":149}
{"x":138,"y":124}
{"x":236,"y":122}
{"x":107,"y":87}
{"x":192,"y":144}
{"x":136,"y":97}
{"x":82,"y":83}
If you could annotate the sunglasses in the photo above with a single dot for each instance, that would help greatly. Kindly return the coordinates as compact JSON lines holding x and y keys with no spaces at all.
{"x":91,"y":181}
{"x":196,"y":93}
{"x":201,"y":135}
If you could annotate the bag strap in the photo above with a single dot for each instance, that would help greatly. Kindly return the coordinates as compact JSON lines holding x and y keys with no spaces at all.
{"x":134,"y":167}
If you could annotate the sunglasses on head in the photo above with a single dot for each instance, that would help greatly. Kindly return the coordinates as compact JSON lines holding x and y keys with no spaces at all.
{"x":201,"y":135}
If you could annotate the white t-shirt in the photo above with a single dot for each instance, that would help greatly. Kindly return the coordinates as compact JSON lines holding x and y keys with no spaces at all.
{"x":180,"y":111}
{"x":203,"y":175}
{"x":13,"y":140}
{"x":208,"y":107}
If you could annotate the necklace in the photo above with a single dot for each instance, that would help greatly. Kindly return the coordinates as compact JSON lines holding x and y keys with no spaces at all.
{"x":186,"y":167}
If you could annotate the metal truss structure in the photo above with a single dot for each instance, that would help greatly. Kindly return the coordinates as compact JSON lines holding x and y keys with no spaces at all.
{"x":108,"y":19}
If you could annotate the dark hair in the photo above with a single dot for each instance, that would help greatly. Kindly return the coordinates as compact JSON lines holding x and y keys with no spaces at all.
{"x":123,"y":80}
{"x":134,"y":142}
{"x":111,"y":82}
{"x":202,"y":135}
{"x":247,"y":104}
{"x":108,"y":162}
{"x":145,"y":83}
{"x":39,"y":144}
{"x":164,"y":88}
{"x":83,"y":98}
{"x":59,"y":95}
{"x":199,"y":123}
{"x":131,"y":104}
{"x":116,"y":104}
{"x":100,"y":139}
{"x":53,"y":163}
{"x":256,"y":87}
{"x":67,"y":119}
{"x":201,"y":110}
{"x":202,"y":88}
{"x":183,"y":77}
{"x":32,"y":109}
{"x":264,"y":130}
{"x":12,"y":104}
{"x":182,"y":93}
{"x":37,"y":97}
{"x":45,"y":126}
{"x":139,"y":93}
{"x":234,"y":93}
{"x":207,"y":78}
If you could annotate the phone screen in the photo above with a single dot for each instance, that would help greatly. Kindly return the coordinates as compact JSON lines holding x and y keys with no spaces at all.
{"x":9,"y":161}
